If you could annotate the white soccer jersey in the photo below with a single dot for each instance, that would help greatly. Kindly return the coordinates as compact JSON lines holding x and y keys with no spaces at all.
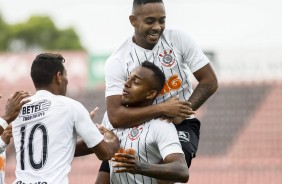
{"x":45,"y":134}
{"x":175,"y":53}
{"x":152,"y":141}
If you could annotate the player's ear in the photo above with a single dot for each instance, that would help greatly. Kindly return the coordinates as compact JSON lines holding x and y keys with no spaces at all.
{"x":58,"y":77}
{"x":132,"y":20}
{"x":152,"y":94}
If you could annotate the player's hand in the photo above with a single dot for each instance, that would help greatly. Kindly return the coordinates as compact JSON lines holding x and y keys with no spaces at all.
{"x":126,"y":162}
{"x":175,"y":108}
{"x":94,"y":112}
{"x":7,"y":134}
{"x":14,"y":105}
{"x":101,"y":128}
{"x":174,"y":120}
{"x":109,"y":136}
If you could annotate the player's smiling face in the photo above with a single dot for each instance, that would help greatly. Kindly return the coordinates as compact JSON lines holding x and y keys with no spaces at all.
{"x":149,"y":23}
{"x":137,"y":88}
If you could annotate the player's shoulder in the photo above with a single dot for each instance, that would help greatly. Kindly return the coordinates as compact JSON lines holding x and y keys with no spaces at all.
{"x":175,"y":32}
{"x":68,"y":101}
{"x":121,"y":51}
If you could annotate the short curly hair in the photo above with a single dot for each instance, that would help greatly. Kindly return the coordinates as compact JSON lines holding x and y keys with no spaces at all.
{"x":44,"y":67}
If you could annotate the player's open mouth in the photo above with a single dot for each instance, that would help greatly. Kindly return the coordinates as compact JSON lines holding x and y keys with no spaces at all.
{"x":154,"y":35}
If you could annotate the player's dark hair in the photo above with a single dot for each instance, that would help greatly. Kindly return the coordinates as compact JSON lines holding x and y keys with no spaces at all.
{"x":44,"y":67}
{"x":158,"y":74}
{"x":142,"y":2}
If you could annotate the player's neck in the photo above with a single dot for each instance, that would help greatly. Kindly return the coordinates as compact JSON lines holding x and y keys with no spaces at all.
{"x":144,"y":46}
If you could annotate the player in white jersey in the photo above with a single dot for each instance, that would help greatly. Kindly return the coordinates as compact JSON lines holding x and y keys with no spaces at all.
{"x":178,"y":56}
{"x":158,"y":151}
{"x":13,"y":106}
{"x":46,"y":130}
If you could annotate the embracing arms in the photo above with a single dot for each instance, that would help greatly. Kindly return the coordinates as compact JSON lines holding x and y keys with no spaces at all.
{"x":121,"y":116}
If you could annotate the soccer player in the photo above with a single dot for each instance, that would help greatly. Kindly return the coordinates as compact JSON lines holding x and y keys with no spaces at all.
{"x":176,"y":54}
{"x":155,"y":142}
{"x":47,"y":127}
{"x":13,"y":106}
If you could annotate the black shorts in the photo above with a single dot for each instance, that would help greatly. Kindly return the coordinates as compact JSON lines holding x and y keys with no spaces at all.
{"x":105,"y":167}
{"x":189,"y":135}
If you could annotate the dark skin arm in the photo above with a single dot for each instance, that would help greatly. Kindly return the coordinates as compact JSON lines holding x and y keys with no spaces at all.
{"x":7,"y":134}
{"x":125,"y":117}
{"x":173,"y":167}
{"x":105,"y":150}
{"x":206,"y":87}
{"x":13,"y":106}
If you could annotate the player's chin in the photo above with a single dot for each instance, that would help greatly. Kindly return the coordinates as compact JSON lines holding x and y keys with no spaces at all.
{"x":124,"y":100}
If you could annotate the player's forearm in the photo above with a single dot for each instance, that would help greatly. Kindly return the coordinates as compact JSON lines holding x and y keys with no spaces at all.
{"x":175,"y":171}
{"x":8,"y":118}
{"x":124,"y":117}
{"x":201,"y":93}
{"x":81,"y":149}
{"x":106,"y":150}
{"x":3,"y":124}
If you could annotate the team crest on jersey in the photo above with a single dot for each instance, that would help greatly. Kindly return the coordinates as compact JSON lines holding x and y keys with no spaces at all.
{"x":135,"y":133}
{"x":167,"y":58}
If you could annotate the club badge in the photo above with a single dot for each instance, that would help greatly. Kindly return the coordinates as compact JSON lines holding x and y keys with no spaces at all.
{"x":135,"y":133}
{"x":167,"y":59}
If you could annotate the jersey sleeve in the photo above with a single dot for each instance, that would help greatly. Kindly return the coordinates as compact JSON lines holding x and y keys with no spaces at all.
{"x":192,"y":53}
{"x":114,"y":76}
{"x":106,"y":122}
{"x":166,"y":138}
{"x":85,"y":128}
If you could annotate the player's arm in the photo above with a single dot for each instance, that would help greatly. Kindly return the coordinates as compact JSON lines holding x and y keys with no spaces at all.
{"x":173,"y":168}
{"x":104,"y":150}
{"x":13,"y":107}
{"x":207,"y":85}
{"x":125,"y":117}
{"x":5,"y":138}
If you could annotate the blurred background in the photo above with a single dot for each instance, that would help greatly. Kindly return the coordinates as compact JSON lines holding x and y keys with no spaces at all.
{"x":241,"y":131}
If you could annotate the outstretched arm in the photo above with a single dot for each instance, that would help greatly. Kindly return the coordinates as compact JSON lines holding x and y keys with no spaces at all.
{"x":206,"y":87}
{"x":13,"y":107}
{"x":105,"y":150}
{"x":126,"y":117}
